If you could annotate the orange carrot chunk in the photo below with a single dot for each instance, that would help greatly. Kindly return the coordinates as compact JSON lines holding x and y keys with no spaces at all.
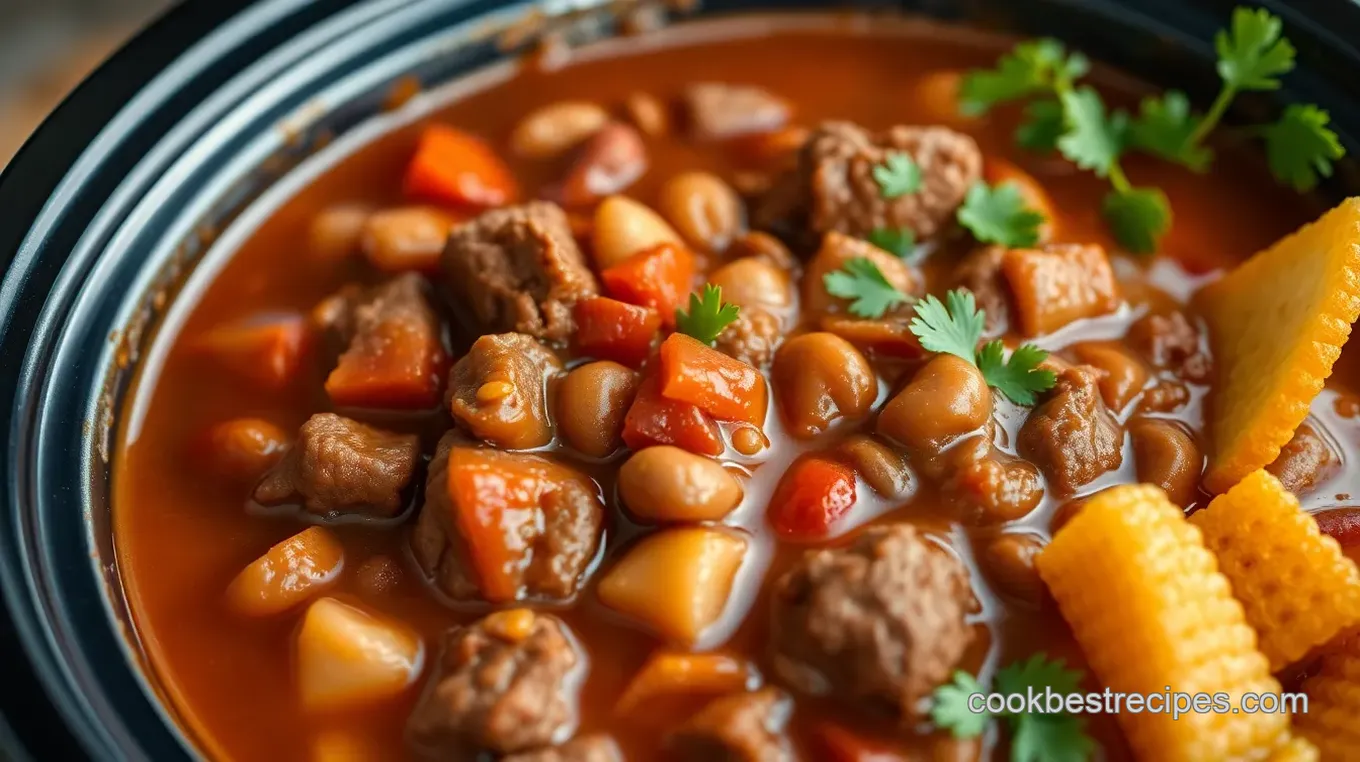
{"x":722,"y":386}
{"x":654,"y":420}
{"x":396,"y":358}
{"x":839,"y":744}
{"x":812,"y":497}
{"x":609,"y":329}
{"x":455,"y":168}
{"x":265,"y":349}
{"x":659,"y":277}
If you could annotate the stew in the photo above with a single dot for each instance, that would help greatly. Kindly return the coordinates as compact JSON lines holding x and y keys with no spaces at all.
{"x":741,"y":398}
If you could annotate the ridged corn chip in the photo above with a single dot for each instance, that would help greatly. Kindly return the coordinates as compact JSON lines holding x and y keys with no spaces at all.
{"x":1277,"y":324}
{"x":1332,"y":722}
{"x":1297,"y":587}
{"x":1296,"y":750}
{"x":1151,"y":612}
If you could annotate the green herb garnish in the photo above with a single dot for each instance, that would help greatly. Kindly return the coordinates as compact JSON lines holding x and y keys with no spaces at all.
{"x":1035,"y":737}
{"x":999,"y":215}
{"x":898,"y":241}
{"x":1061,"y":115}
{"x":860,"y":279}
{"x":707,"y":316}
{"x":898,"y":175}
{"x":955,"y":327}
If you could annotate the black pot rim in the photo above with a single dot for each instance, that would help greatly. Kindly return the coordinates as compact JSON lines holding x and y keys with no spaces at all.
{"x":57,"y":194}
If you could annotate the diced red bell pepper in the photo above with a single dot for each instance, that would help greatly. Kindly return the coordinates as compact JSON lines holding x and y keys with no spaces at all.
{"x":722,"y":386}
{"x":455,"y":168}
{"x":266,"y":348}
{"x":613,"y":330}
{"x":812,"y":496}
{"x":660,"y":277}
{"x":654,"y":419}
{"x":841,"y":745}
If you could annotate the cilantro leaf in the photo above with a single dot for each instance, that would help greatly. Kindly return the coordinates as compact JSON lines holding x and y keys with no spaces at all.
{"x":999,"y":215}
{"x":1165,"y":127}
{"x":861,"y":280}
{"x":1032,"y":67}
{"x":707,"y":316}
{"x":1018,"y":378}
{"x":898,"y":175}
{"x":1300,"y":147}
{"x":1138,"y":217}
{"x":1050,"y":738}
{"x":1253,"y":55}
{"x":1092,"y":141}
{"x":954,"y":330}
{"x":1044,"y":124}
{"x":899,"y":241}
{"x":1037,"y":672}
{"x":950,"y":709}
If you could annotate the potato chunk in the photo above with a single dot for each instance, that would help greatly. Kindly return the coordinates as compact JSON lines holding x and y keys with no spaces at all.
{"x":288,"y":574}
{"x":1056,"y":285}
{"x":675,"y":582}
{"x":348,"y":658}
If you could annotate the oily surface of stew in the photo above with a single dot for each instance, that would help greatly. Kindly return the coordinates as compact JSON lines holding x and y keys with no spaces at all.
{"x":546,"y":525}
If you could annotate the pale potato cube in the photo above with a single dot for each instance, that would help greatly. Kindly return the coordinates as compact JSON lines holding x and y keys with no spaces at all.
{"x":347,"y":657}
{"x":288,"y":574}
{"x":676,"y":581}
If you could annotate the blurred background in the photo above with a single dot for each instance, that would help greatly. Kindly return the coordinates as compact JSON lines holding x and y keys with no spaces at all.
{"x":48,"y":46}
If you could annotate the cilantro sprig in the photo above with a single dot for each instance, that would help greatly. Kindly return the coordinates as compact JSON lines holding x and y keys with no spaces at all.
{"x":860,"y":280}
{"x":707,"y":315}
{"x":898,"y":241}
{"x":1072,"y":119}
{"x":999,"y":215}
{"x":955,"y":327}
{"x":898,"y":175}
{"x":1035,"y":737}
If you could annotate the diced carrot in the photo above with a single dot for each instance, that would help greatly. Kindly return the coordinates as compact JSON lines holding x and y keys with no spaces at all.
{"x":288,"y":574}
{"x":722,"y":386}
{"x":456,"y":168}
{"x":660,"y":277}
{"x":669,"y":673}
{"x":266,"y":349}
{"x":242,"y":449}
{"x":812,"y":496}
{"x":396,"y":358}
{"x":839,"y":744}
{"x":654,"y":419}
{"x":498,"y":499}
{"x":1057,"y":284}
{"x":609,"y":329}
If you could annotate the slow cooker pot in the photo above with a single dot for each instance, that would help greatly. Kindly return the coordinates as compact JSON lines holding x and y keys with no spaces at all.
{"x":138,"y":187}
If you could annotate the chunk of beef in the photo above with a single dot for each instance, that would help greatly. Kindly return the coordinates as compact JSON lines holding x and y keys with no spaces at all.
{"x":743,"y":727}
{"x":1072,"y":436}
{"x":393,"y":354}
{"x":753,"y":337}
{"x":833,"y":187}
{"x":502,"y":526}
{"x":342,"y":467}
{"x":519,"y":269}
{"x":720,"y":111}
{"x":505,"y":684}
{"x":1059,"y":283}
{"x":980,"y":273}
{"x":592,"y":748}
{"x":498,"y":391}
{"x":1169,"y":340}
{"x":1306,"y":461}
{"x":879,"y":623}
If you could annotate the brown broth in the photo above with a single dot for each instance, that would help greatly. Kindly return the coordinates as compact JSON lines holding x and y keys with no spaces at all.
{"x":182,"y":536}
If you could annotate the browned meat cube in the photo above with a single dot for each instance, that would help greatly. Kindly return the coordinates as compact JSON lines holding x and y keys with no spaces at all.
{"x":1169,"y":340}
{"x":501,"y":526}
{"x":1072,"y":436}
{"x":394,"y":356}
{"x":880,"y":623}
{"x":592,"y":748}
{"x":507,"y":683}
{"x":980,"y":273}
{"x":1058,"y":284}
{"x":341,"y":467}
{"x":498,"y":391}
{"x":1306,"y":461}
{"x":834,"y":187}
{"x":720,"y":111}
{"x":519,"y":269}
{"x":752,"y":338}
{"x":742,"y":727}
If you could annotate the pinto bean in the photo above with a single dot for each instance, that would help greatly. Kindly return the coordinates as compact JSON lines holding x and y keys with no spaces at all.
{"x":610,"y":161}
{"x":1009,"y":563}
{"x":623,"y":227}
{"x":554,"y":129}
{"x":706,"y":211}
{"x":591,"y":404}
{"x":946,"y":399}
{"x":754,"y":282}
{"x":1166,"y":455}
{"x":666,"y":483}
{"x":647,"y":113}
{"x":820,"y":378}
{"x":335,"y":231}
